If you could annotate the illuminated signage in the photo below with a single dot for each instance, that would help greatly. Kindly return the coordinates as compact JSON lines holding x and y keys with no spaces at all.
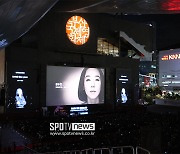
{"x":123,"y":79}
{"x":77,"y":30}
{"x":171,"y":57}
{"x":20,"y":76}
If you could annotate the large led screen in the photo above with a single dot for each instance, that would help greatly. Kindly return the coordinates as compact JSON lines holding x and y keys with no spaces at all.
{"x":74,"y":86}
{"x":22,"y":89}
{"x":123,"y":86}
{"x":169,"y":68}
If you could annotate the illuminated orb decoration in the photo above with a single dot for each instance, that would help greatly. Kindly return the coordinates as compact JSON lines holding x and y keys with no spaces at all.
{"x":77,"y":30}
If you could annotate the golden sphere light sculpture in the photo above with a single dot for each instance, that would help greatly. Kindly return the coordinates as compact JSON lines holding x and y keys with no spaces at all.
{"x":77,"y":30}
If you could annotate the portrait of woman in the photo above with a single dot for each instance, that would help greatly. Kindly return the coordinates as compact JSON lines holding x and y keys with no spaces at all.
{"x":91,"y":86}
{"x":123,"y":95}
{"x":20,"y":100}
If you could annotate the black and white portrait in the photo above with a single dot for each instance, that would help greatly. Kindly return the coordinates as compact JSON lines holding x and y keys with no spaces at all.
{"x":74,"y":85}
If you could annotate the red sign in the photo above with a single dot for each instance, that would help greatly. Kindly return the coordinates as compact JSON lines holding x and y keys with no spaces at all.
{"x":147,"y":81}
{"x":171,"y":57}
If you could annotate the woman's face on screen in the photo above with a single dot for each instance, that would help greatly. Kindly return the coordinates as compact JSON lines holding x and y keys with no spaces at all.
{"x":123,"y":91}
{"x":92,"y":83}
{"x":19,"y":92}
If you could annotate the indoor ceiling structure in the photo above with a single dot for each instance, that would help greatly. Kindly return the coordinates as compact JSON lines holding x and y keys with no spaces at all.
{"x":121,"y":6}
{"x":18,"y":16}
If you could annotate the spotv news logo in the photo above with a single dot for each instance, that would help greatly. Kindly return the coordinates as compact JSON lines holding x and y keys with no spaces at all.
{"x":72,"y":126}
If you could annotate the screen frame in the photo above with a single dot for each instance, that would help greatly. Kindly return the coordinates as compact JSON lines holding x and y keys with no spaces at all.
{"x":83,"y":67}
{"x":160,"y":62}
{"x":128,"y":84}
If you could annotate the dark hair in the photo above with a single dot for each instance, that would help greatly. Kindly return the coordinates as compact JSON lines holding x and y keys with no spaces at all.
{"x":81,"y":90}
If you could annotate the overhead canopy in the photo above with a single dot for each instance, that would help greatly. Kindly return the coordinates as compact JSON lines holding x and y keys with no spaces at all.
{"x":18,"y":16}
{"x":121,"y":6}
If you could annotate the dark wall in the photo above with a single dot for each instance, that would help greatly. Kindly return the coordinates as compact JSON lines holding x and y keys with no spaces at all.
{"x":51,"y":46}
{"x":50,"y":32}
{"x":53,"y":35}
{"x":40,"y":61}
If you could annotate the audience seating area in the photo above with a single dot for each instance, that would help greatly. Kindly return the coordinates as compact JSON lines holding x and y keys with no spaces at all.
{"x":128,"y":127}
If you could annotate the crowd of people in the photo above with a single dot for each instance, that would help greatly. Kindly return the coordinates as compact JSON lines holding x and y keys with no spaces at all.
{"x":134,"y":127}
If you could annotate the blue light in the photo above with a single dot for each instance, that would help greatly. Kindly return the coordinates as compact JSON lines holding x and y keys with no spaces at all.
{"x":3,"y":42}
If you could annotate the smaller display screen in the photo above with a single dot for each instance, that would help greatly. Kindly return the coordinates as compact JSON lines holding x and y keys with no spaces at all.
{"x":169,"y":68}
{"x":21,"y":90}
{"x":123,"y":81}
{"x":79,"y":110}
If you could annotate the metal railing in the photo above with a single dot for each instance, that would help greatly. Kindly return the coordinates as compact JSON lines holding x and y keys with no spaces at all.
{"x":122,"y":149}
{"x":111,"y":150}
{"x":102,"y":151}
{"x":87,"y":151}
{"x":142,"y":149}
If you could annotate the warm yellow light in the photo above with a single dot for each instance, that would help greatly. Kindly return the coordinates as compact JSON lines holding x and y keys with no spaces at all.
{"x":77,"y":30}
